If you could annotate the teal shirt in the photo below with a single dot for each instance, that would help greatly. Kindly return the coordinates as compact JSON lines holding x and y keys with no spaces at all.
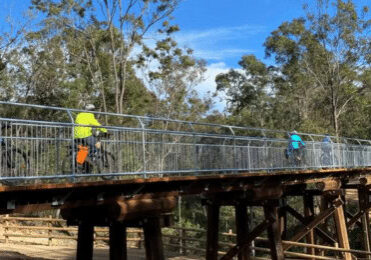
{"x":295,"y":141}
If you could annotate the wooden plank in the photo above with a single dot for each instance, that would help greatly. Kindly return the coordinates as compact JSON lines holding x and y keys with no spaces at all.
{"x":212,"y":232}
{"x":85,"y":241}
{"x":117,"y":241}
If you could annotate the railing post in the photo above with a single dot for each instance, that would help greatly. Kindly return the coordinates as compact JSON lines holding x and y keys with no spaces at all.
{"x":140,"y":236}
{"x":73,"y":144}
{"x":50,"y":231}
{"x":234,"y":148}
{"x":182,"y":246}
{"x":248,"y":156}
{"x":143,"y":148}
{"x":6,"y":229}
{"x":195,"y":155}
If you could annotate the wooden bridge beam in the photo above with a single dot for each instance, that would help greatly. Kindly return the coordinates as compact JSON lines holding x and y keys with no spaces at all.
{"x":85,"y":240}
{"x":274,"y":232}
{"x":282,"y":214}
{"x":309,"y":214}
{"x":153,"y":239}
{"x":117,"y":241}
{"x":242,"y":231}
{"x":212,"y":231}
{"x":364,"y":208}
{"x":341,"y":230}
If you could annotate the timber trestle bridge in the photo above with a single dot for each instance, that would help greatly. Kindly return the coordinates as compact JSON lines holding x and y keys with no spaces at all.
{"x":135,"y":176}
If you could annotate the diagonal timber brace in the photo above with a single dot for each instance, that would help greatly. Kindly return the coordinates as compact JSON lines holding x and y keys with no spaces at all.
{"x":249,"y":238}
{"x":315,"y":222}
{"x":319,"y":232}
{"x":354,"y":219}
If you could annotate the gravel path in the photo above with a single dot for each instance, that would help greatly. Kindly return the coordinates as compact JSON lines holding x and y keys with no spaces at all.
{"x":37,"y":252}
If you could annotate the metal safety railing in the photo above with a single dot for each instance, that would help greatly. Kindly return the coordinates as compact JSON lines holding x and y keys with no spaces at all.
{"x":37,"y":142}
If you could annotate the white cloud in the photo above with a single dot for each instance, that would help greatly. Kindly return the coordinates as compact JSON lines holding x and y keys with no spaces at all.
{"x":218,"y":44}
{"x":220,"y":33}
{"x":221,"y":54}
{"x":209,"y":85}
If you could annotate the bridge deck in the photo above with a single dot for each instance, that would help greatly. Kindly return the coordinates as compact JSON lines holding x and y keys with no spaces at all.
{"x":46,"y":196}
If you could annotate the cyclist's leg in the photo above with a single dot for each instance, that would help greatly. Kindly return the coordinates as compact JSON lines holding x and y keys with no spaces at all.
{"x":296,"y":156}
{"x":90,"y":142}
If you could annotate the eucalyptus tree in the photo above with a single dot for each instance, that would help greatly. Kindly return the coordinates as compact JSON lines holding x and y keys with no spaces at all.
{"x":115,"y":27}
{"x":11,"y":40}
{"x":173,"y":73}
{"x":248,"y":91}
{"x":320,"y":75}
{"x":327,"y":54}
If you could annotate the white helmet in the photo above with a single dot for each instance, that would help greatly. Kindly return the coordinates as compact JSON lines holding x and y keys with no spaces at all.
{"x":89,"y":107}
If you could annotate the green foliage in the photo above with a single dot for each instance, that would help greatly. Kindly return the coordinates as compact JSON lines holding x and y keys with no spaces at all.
{"x":321,"y":79}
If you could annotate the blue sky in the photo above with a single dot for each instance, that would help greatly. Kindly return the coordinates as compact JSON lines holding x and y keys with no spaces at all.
{"x":223,"y":31}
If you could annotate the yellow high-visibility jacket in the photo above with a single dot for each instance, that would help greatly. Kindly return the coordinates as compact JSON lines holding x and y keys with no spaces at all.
{"x":84,"y":118}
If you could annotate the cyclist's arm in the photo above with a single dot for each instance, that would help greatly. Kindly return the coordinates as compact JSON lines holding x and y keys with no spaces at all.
{"x":95,"y":122}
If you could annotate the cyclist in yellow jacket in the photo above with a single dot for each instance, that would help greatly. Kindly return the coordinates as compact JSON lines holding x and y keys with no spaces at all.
{"x":84,"y":134}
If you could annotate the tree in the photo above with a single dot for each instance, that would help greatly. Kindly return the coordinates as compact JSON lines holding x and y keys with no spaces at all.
{"x":11,"y":39}
{"x":320,"y":76}
{"x":325,"y":53}
{"x":122,"y":24}
{"x":247,"y":90}
{"x":173,"y":81}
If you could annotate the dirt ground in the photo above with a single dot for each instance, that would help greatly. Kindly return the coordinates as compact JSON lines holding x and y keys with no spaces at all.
{"x":38,"y":252}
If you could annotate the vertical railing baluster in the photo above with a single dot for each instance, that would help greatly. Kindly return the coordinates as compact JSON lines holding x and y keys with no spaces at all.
{"x":143,"y":148}
{"x":73,"y":144}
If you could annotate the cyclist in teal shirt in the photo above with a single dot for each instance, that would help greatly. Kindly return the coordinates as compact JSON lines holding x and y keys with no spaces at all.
{"x":295,"y":141}
{"x":295,"y":144}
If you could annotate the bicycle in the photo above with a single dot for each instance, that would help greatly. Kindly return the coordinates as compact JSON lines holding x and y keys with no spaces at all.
{"x":327,"y":160}
{"x":13,"y":161}
{"x":88,"y":162}
{"x":295,"y":156}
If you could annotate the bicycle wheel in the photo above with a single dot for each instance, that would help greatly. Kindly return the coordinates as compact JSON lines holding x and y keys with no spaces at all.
{"x":325,"y":160}
{"x":17,"y":163}
{"x":107,"y":164}
{"x":67,"y":166}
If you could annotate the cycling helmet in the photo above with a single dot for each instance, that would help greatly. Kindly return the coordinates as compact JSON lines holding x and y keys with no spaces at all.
{"x":89,"y":107}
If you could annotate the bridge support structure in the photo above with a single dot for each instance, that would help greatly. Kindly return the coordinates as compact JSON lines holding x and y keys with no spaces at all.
{"x":148,"y":211}
{"x":315,"y":228}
